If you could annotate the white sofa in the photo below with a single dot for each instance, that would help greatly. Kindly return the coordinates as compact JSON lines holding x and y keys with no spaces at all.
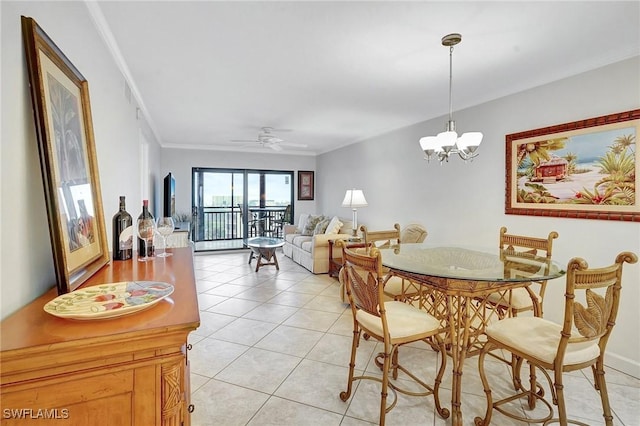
{"x":312,"y":251}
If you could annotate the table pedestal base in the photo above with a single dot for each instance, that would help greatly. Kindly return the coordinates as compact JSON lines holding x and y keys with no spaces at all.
{"x":264,"y":256}
{"x":461,"y":308}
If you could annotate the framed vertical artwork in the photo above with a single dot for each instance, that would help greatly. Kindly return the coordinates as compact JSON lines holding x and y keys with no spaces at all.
{"x":305,"y":185}
{"x":64,"y":131}
{"x":585,"y":169}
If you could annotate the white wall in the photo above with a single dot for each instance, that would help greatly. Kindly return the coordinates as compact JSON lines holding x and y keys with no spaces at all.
{"x":464,"y":203}
{"x":26,"y":259}
{"x":181,"y":161}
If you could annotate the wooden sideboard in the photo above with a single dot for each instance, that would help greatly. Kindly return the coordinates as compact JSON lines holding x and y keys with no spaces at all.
{"x":129,"y":370}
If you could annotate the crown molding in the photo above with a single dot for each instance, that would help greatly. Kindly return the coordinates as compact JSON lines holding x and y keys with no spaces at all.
{"x":101,"y":25}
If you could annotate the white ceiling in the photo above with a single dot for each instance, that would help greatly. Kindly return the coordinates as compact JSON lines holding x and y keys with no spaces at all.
{"x":334,"y":73}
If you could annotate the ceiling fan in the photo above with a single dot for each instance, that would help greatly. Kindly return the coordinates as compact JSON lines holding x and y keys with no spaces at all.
{"x":267,"y":139}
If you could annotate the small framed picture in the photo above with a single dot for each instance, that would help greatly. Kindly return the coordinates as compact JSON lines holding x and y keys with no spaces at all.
{"x":305,"y":185}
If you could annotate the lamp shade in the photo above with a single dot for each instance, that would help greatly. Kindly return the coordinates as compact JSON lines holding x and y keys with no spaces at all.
{"x":430,"y":143}
{"x":447,"y":140}
{"x":469,"y":139}
{"x":354,"y":198}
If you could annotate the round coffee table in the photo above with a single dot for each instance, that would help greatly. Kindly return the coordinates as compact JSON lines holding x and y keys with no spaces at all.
{"x":264,"y":249}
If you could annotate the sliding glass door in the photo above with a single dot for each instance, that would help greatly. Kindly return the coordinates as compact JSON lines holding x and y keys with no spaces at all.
{"x":232,"y":204}
{"x":215,"y":194}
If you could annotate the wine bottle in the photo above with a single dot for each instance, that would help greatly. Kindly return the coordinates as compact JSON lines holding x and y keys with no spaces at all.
{"x":122,"y":233}
{"x":141,"y":246}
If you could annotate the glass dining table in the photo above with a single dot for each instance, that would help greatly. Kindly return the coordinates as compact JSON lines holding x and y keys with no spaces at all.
{"x":453,"y":283}
{"x":266,"y":218}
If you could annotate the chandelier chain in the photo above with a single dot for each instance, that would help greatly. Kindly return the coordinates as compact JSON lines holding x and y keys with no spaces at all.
{"x":450,"y":86}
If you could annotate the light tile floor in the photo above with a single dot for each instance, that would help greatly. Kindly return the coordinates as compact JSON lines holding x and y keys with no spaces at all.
{"x":273,"y":349}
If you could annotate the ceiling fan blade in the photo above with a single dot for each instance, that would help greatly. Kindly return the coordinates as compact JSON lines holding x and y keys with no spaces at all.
{"x":274,"y":130}
{"x":297,"y":145}
{"x":269,"y":139}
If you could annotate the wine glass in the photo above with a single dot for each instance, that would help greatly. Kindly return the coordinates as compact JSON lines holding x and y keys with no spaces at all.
{"x":165,"y":226}
{"x":146,"y":228}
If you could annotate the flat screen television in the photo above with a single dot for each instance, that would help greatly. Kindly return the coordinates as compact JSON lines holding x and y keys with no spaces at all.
{"x":169,"y":204}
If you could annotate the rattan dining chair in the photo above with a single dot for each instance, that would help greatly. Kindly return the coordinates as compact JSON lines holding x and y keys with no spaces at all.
{"x":392,"y":323}
{"x":413,"y":233}
{"x":395,"y":288}
{"x":283,"y":219}
{"x":531,"y":297}
{"x":591,"y":305}
{"x":252,"y":222}
{"x":515,"y":249}
{"x":383,"y":238}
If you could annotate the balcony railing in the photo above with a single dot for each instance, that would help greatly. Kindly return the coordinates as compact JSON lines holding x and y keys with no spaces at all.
{"x":225,"y":223}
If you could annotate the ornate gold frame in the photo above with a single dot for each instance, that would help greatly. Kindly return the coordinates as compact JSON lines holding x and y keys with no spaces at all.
{"x":549,"y":188}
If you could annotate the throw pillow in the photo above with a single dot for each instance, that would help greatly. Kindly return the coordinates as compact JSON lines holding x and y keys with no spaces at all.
{"x":311,"y":224}
{"x":333,"y":227}
{"x":321,"y":227}
{"x":302,"y":222}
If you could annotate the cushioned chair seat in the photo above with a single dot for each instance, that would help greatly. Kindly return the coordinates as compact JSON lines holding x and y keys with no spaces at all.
{"x":403,"y":320}
{"x":542,"y":339}
{"x":520,"y":299}
{"x":396,"y":286}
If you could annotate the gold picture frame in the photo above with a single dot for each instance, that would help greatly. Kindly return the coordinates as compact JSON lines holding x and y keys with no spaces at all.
{"x":305,"y":185}
{"x":585,"y":169}
{"x":64,"y":130}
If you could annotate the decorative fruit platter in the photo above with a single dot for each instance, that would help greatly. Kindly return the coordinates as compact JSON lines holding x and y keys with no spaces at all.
{"x":108,"y":300}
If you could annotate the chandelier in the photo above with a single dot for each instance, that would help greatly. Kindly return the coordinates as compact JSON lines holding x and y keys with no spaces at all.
{"x":446,"y":143}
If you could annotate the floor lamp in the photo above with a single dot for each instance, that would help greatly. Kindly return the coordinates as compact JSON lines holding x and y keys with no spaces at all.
{"x":353,"y":199}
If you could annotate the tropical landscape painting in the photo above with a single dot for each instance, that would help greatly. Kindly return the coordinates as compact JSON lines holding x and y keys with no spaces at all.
{"x":597,"y":168}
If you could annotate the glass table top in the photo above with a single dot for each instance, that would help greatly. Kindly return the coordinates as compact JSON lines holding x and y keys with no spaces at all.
{"x":264,"y":242}
{"x":481,"y":264}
